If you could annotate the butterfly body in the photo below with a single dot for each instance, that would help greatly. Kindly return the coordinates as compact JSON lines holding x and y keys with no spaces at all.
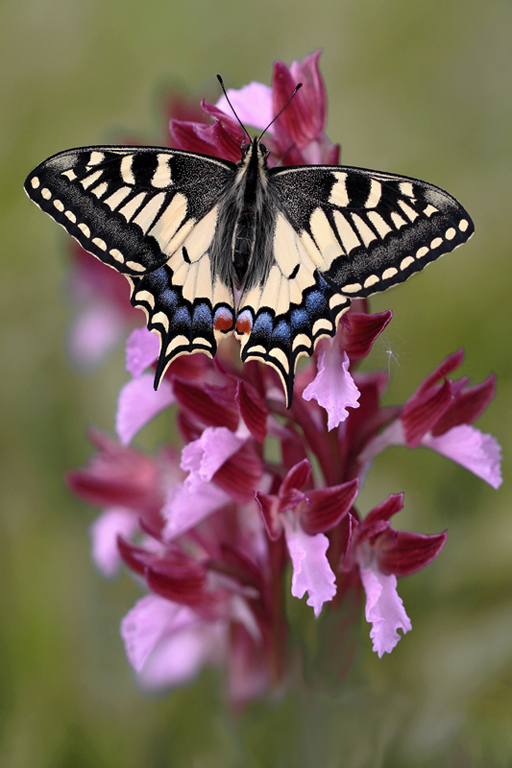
{"x":272,"y":254}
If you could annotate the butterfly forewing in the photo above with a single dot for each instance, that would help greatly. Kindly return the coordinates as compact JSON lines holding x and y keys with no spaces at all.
{"x":291,"y":310}
{"x":366,"y":230}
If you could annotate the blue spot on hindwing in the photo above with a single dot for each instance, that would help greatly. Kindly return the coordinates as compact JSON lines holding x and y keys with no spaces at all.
{"x":299,"y":320}
{"x":282,"y":334}
{"x":169,"y":299}
{"x":202,"y":318}
{"x":158,"y":279}
{"x":315,"y":303}
{"x":263,"y":326}
{"x":182,"y":317}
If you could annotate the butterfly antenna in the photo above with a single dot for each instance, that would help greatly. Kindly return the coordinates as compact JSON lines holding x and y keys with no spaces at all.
{"x":219,"y":78}
{"x":280,"y":111}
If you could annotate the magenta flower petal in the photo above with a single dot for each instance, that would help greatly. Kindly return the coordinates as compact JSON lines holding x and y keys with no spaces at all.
{"x":194,"y":137}
{"x":478,"y":452}
{"x":333,"y":387}
{"x":296,"y":478}
{"x":468,"y":405}
{"x":227,"y":140}
{"x":308,"y":71}
{"x":142,"y":348}
{"x":181,"y":579}
{"x":445,"y":367}
{"x":327,"y":506}
{"x":240,"y":475}
{"x":269,"y":508}
{"x":185,"y":508}
{"x":304,"y":118}
{"x":138,"y":403}
{"x":384,"y":610}
{"x":119,"y":477}
{"x":252,"y":103}
{"x":421,"y":412}
{"x":114,"y":522}
{"x":377,"y":519}
{"x":404,"y":552}
{"x":311,"y":570}
{"x":252,"y":410}
{"x":361,"y":331}
{"x":213,"y":406}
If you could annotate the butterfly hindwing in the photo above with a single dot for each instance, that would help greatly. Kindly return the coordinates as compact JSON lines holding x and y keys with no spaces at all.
{"x":187,"y":305}
{"x":284,"y":316}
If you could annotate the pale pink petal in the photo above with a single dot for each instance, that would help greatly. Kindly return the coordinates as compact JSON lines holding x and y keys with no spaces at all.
{"x":114,"y":522}
{"x":142,"y":348}
{"x":311,"y":570}
{"x":167,"y":644}
{"x":95,"y":331}
{"x":144,"y":626}
{"x":384,"y":610}
{"x":179,"y":657}
{"x":204,"y":456}
{"x":252,"y":103}
{"x":333,"y":387}
{"x":186,"y":507}
{"x":476,"y":451}
{"x":138,"y":403}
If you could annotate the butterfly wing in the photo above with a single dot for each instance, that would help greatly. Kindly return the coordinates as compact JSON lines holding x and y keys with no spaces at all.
{"x":340,"y":233}
{"x":149,"y":213}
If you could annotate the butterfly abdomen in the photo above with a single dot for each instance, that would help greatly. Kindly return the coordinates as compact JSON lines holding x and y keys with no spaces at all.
{"x":243,"y":244}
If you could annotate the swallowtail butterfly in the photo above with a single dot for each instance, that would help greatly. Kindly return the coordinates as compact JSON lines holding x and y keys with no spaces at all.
{"x":273,"y":254}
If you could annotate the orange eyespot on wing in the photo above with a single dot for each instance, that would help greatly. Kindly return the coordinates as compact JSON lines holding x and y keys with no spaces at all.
{"x":223,"y":320}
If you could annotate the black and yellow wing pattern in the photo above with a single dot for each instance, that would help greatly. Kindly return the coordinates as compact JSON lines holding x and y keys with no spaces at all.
{"x":274,"y":255}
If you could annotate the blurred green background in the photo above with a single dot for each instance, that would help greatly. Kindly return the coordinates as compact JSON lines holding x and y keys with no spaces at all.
{"x":420,"y":88}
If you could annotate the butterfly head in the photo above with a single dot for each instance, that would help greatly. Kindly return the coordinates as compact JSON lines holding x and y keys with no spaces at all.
{"x":256,"y":146}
